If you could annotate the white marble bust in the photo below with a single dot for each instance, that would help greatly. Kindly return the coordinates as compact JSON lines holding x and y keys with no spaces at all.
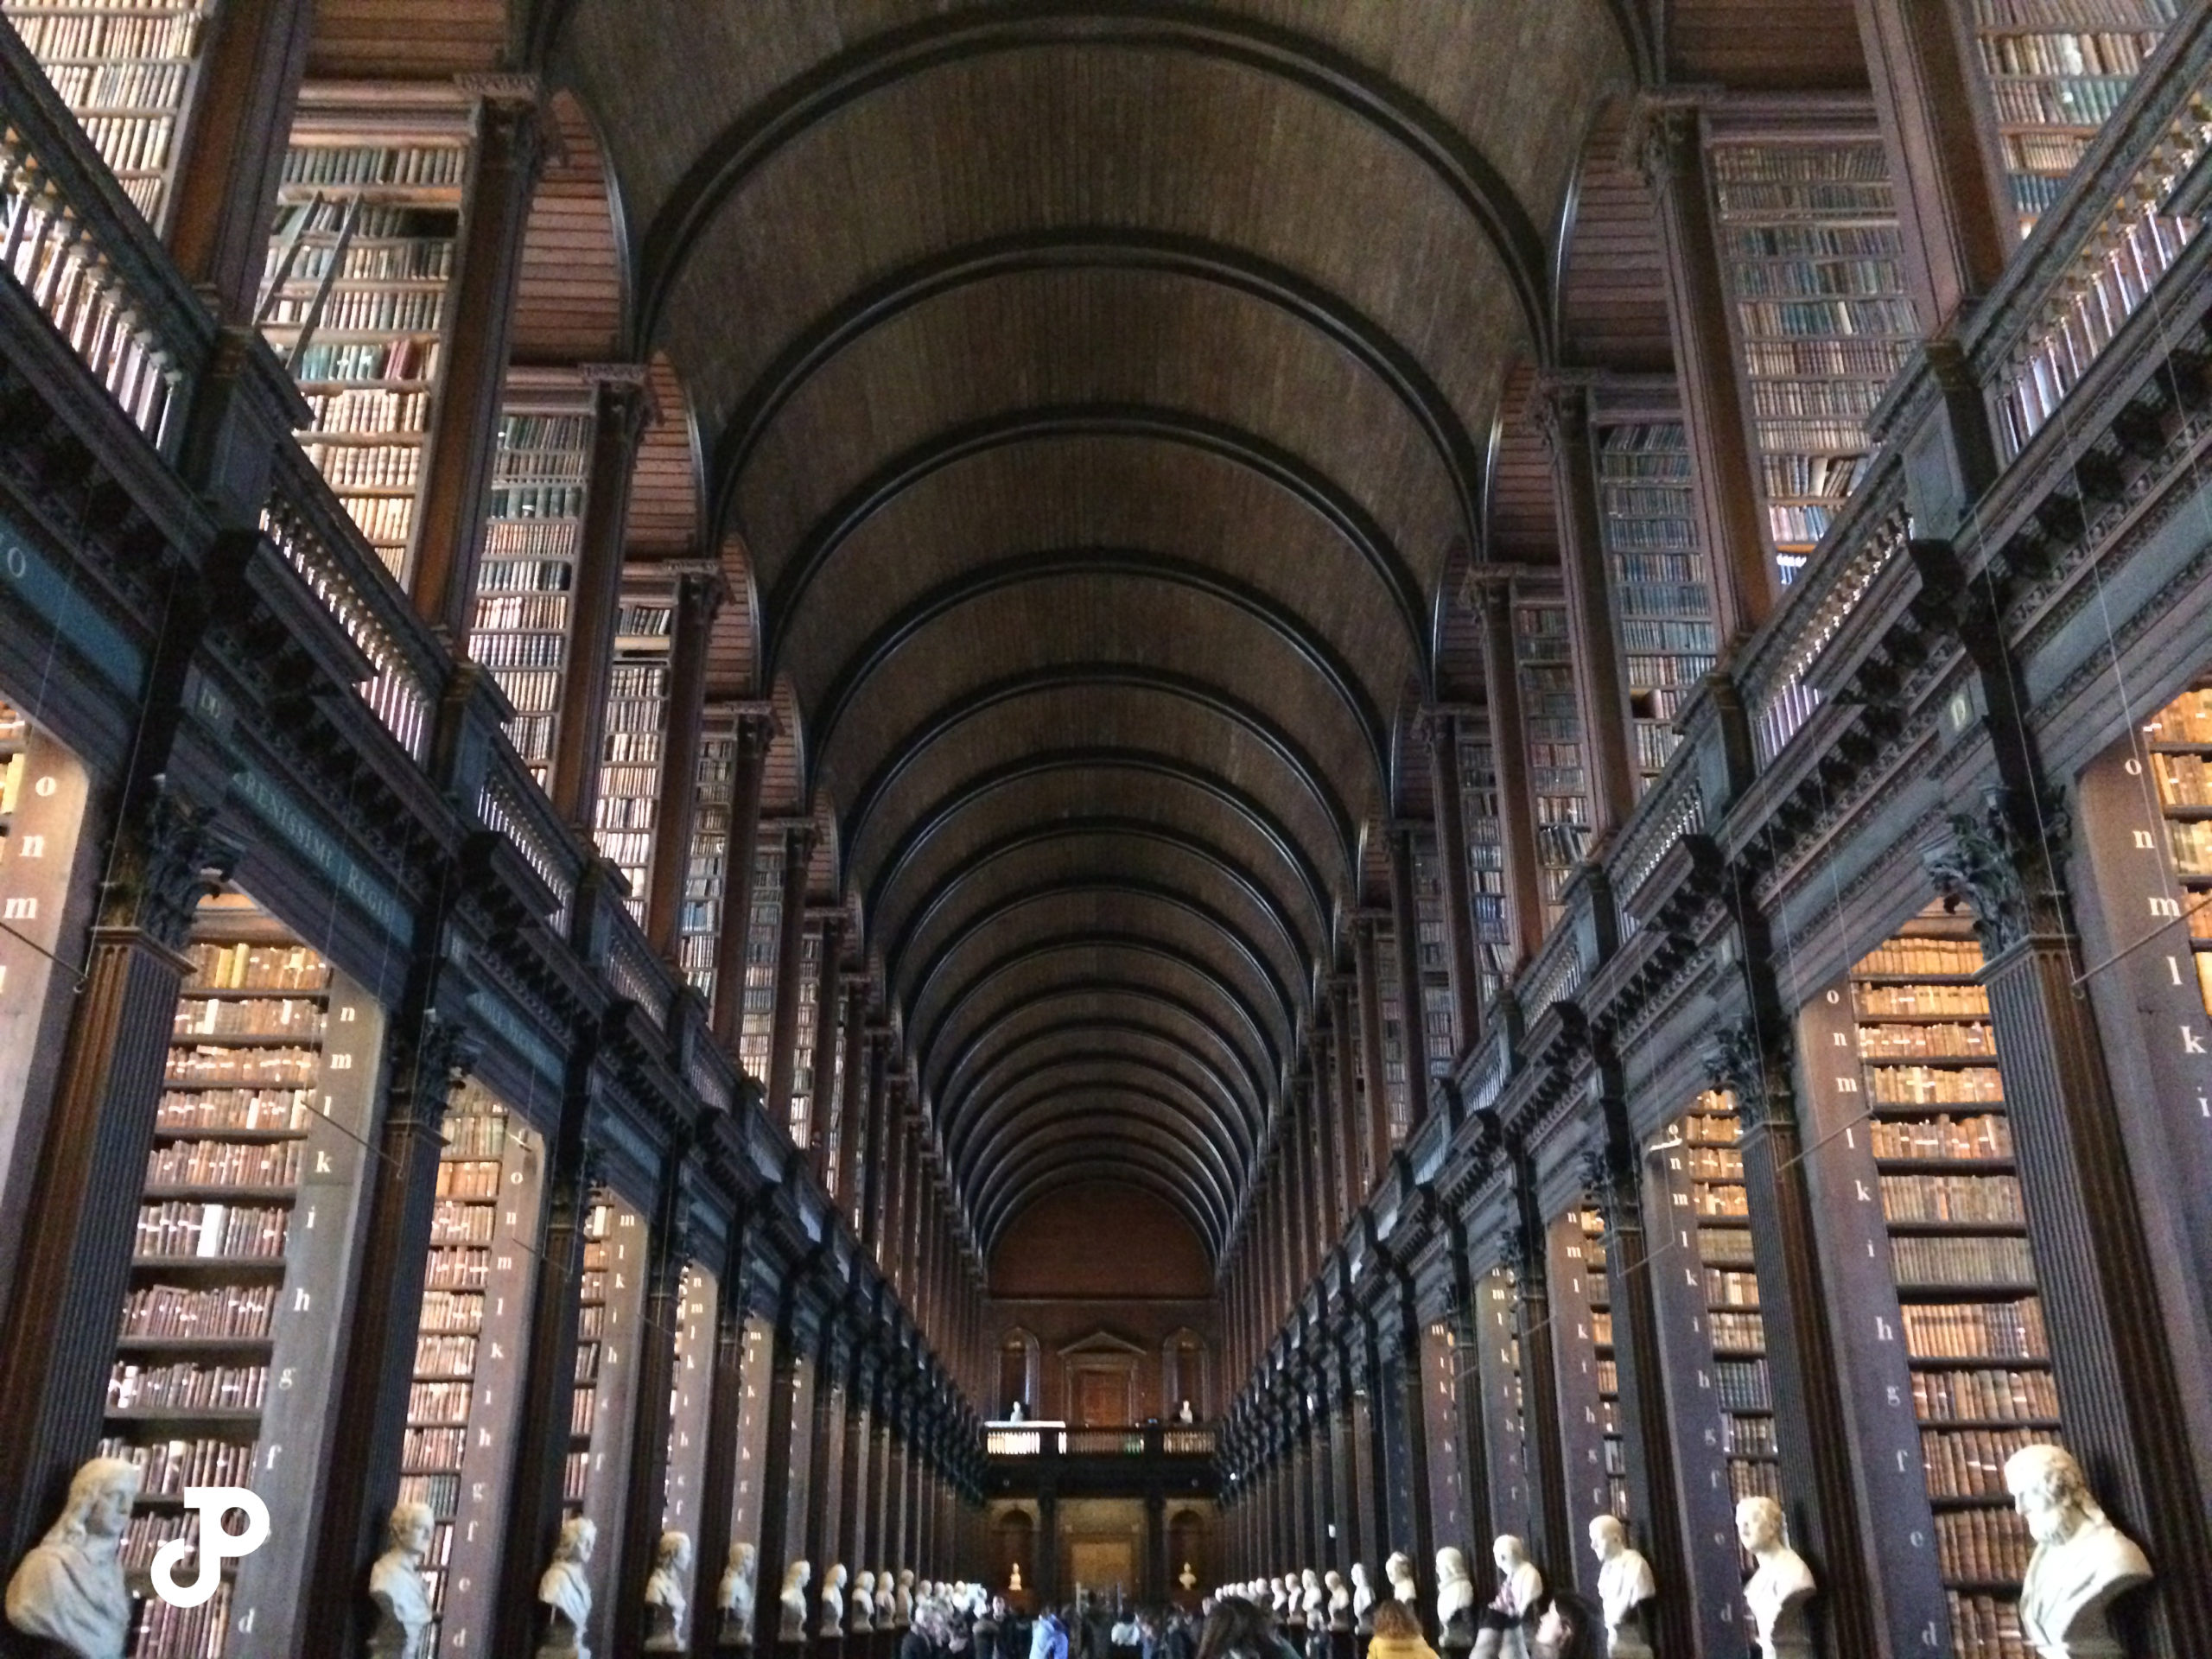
{"x":666,"y":1596}
{"x":833,"y":1601}
{"x":793,"y":1601}
{"x":69,"y":1588}
{"x":905,"y":1597}
{"x":1455,"y":1598}
{"x":1781,"y":1585}
{"x":398,"y":1588}
{"x":1520,"y":1588}
{"x":1399,"y":1569}
{"x":1363,"y":1599}
{"x":1339,"y":1600}
{"x":2081,"y":1563}
{"x":1624,"y":1584}
{"x":859,"y":1615}
{"x":566,"y":1592}
{"x":734,"y":1597}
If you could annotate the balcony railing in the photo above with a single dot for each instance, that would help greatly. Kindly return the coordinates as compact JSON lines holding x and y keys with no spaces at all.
{"x":1040,"y":1439}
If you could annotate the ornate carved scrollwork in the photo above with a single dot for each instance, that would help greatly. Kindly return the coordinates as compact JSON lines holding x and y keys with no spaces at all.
{"x":175,"y":856}
{"x":1753,"y":1065}
{"x":2005,"y":877}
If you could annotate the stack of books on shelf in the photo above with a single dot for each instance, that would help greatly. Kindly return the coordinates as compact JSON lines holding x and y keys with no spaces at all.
{"x":1718,"y":1200}
{"x":636,"y":714}
{"x":699,"y":928}
{"x":1543,"y":658}
{"x":2180,"y":742}
{"x":1662,"y":579}
{"x":1485,"y":857}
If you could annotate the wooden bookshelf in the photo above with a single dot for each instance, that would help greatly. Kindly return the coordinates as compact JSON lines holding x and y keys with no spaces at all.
{"x":806,"y":1041}
{"x":354,"y":300}
{"x":1808,"y":236}
{"x":2180,"y":741}
{"x":691,"y":1399}
{"x":127,"y":70}
{"x":636,"y":721}
{"x":756,"y":1032}
{"x":1438,"y":1019}
{"x":533,"y":535}
{"x":1970,"y":1317}
{"x":610,"y":1317}
{"x":1543,"y":658}
{"x":14,"y":741}
{"x":238,"y":1266}
{"x":2054,"y":72}
{"x":1662,"y":579}
{"x":476,"y":1288}
{"x":699,"y":928}
{"x":1478,"y":808}
{"x":1738,"y":1334}
{"x":1588,"y":1379}
{"x":1390,"y":994}
{"x":1497,"y":1361}
{"x":1614,"y":1451}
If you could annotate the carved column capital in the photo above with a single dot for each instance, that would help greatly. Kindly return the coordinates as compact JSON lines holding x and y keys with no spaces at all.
{"x":176,"y":855}
{"x":1660,"y":138}
{"x":1753,"y":1069}
{"x":2006,"y":875}
{"x":1558,"y":407}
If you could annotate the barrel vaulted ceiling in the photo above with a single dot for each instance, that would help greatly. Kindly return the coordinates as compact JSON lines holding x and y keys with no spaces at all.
{"x":1098,"y":392}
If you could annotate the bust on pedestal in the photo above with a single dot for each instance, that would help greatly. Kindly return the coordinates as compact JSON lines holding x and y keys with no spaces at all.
{"x":1520,"y":1588}
{"x":69,"y":1588}
{"x":790,"y":1603}
{"x":1778,"y":1590}
{"x":832,"y":1627}
{"x":1624,"y":1584}
{"x":1339,"y":1601}
{"x":666,"y":1597}
{"x":398,"y":1588}
{"x":565,"y":1592}
{"x":1399,"y":1569}
{"x":734,"y":1597}
{"x":860,"y":1616}
{"x":1455,"y":1602}
{"x":1363,"y":1600}
{"x":905,"y":1597}
{"x":2081,"y":1563}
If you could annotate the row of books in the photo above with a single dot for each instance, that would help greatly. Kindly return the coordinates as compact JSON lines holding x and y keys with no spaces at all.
{"x":1754,"y":1478}
{"x":1970,"y":1462}
{"x":369,"y":410}
{"x":1749,"y":1437}
{"x":1955,"y":1002}
{"x":623,"y":813}
{"x":359,"y":310}
{"x":1718,"y":1196}
{"x":131,"y":143}
{"x":1964,"y":1040}
{"x":440,"y":1492}
{"x":457,"y":1267}
{"x":179,"y":1228}
{"x":1828,"y":398}
{"x":1873,"y":363}
{"x":1922,"y":1085}
{"x":1724,"y":1247}
{"x":2097,"y":52}
{"x":2001,"y":1259}
{"x":373,"y":164}
{"x":537,"y":501}
{"x":535,"y":612}
{"x":408,"y":360}
{"x":563,"y":442}
{"x":472,"y":1179}
{"x":1982,"y":1545}
{"x":515,"y":648}
{"x":388,"y":259}
{"x":187,"y":1387}
{"x":1650,"y":531}
{"x":298,"y":1018}
{"x":166,"y":1631}
{"x":119,"y":88}
{"x":431,"y":1450}
{"x":1731,"y":1287}
{"x":2074,"y":14}
{"x":527,"y":556}
{"x":1837,"y":198}
{"x":444,"y":1356}
{"x":368,"y":466}
{"x":254,"y":968}
{"x":531,"y":691}
{"x":1814,"y":279}
{"x":1680,"y":664}
{"x":1924,"y":955}
{"x":2190,"y":843}
{"x":452,"y":1313}
{"x":1738,"y":1331}
{"x":224,"y":1163}
{"x":632,"y":762}
{"x":1670,"y":599}
{"x":1994,"y":1199}
{"x":1742,"y":1385}
{"x":431,"y":1405}
{"x":2184,"y":780}
{"x":56,"y":36}
{"x":645,"y":621}
{"x":1987,"y":1136}
{"x":1829,"y":476}
{"x":456,"y":1222}
{"x":2009,"y":1330}
{"x":2078,"y":101}
{"x":1989,"y":1395}
{"x":167,"y":1467}
{"x":235,"y":1311}
{"x":211,"y":1062}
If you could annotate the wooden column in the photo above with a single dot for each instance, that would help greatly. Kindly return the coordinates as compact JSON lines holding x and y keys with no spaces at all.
{"x":1440,"y":730}
{"x":1489,"y":589}
{"x":1551,"y":1540}
{"x":862,"y":1097}
{"x":1665,"y":146}
{"x":650,"y":1401}
{"x":1372,"y":1471}
{"x":783,"y":1042}
{"x":1351,"y":1187}
{"x":776,"y":1543}
{"x":503,"y":165}
{"x":73,"y":1268}
{"x":1320,"y":1128}
{"x":725,"y":1436}
{"x":1955,"y":215}
{"x":699,"y":594}
{"x":548,"y":1370}
{"x":1376,"y":1129}
{"x":1405,"y":927}
{"x":230,"y":151}
{"x":1559,"y":409}
{"x":1412,"y":1427}
{"x":824,"y":1464}
{"x":756,"y":731}
{"x":620,"y":404}
{"x":2119,"y":1385}
{"x":829,"y":1002}
{"x":854,"y":1539}
{"x":890,"y":1172}
{"x":1464,"y":1318}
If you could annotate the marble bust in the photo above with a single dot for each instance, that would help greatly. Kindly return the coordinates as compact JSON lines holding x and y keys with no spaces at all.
{"x":1520,"y":1588}
{"x":861,"y":1614}
{"x":2081,"y":1562}
{"x":398,"y":1588}
{"x":1780,"y":1587}
{"x":833,"y":1601}
{"x":1399,"y":1569}
{"x":665,"y":1594}
{"x":1363,"y":1599}
{"x":906,"y":1596}
{"x":1186,"y":1578}
{"x":793,"y":1601}
{"x":70,"y":1589}
{"x":566,"y":1592}
{"x":1624,"y":1584}
{"x":734,"y":1597}
{"x":1339,"y":1600}
{"x":1455,"y":1598}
